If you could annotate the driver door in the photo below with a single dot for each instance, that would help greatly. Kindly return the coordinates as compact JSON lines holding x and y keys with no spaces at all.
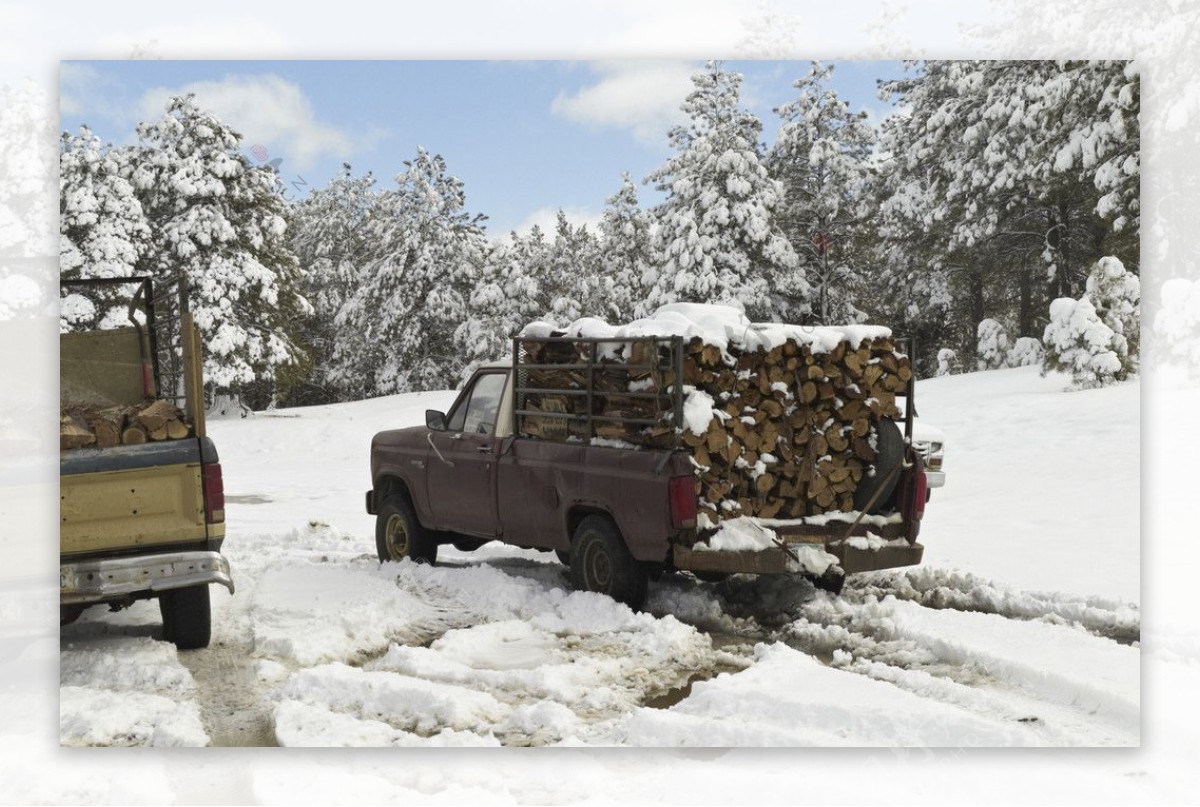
{"x":462,"y":469}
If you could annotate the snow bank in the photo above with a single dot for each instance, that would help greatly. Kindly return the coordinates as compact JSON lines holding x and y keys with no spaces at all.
{"x":524,"y":663}
{"x":790,"y":698}
{"x":127,"y":691}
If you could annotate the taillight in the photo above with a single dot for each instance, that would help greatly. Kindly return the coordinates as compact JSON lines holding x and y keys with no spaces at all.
{"x":214,"y":493}
{"x":683,"y":501}
{"x":920,"y":493}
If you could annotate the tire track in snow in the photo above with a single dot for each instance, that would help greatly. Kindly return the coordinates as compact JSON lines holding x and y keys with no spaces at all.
{"x":961,"y":591}
{"x":929,"y":651}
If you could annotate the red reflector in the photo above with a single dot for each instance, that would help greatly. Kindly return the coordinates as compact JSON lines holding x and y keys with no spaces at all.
{"x":683,"y":501}
{"x":214,"y":493}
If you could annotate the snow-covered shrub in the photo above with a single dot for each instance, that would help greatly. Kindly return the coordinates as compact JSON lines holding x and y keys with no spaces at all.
{"x":1117,"y":294}
{"x":1177,"y":324}
{"x":991,"y":350}
{"x":1027,"y":352}
{"x":1079,"y":343}
{"x":947,"y":362}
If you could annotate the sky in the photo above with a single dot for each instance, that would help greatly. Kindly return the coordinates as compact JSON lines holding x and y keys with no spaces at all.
{"x":525,"y":137}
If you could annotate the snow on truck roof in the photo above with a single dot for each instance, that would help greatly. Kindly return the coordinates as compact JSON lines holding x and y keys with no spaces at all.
{"x":715,"y":324}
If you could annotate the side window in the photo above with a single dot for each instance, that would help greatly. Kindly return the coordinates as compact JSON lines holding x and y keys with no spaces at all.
{"x":455,"y":422}
{"x":484,"y":404}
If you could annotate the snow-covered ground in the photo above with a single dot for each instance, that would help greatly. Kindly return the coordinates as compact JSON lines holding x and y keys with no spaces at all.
{"x":1022,"y":627}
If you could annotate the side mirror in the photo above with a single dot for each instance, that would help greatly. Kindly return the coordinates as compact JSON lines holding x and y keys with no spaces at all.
{"x":435,"y":420}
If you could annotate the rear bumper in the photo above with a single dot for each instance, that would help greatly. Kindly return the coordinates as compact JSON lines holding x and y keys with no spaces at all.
{"x":858,"y":548}
{"x":776,"y":561}
{"x":91,"y":581}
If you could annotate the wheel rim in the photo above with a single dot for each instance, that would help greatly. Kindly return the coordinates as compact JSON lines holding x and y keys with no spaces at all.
{"x":395,"y":535}
{"x":597,"y":569}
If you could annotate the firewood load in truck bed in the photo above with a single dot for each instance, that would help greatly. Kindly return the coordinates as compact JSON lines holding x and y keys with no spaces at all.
{"x":781,"y":421}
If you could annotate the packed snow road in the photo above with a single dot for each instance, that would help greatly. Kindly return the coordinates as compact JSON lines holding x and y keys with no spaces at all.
{"x":322,"y":645}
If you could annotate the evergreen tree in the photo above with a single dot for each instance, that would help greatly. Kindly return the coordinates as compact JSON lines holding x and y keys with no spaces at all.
{"x":823,"y":155}
{"x":992,"y":350}
{"x":716,"y":239}
{"x":995,"y":178}
{"x":1078,"y":342}
{"x":103,"y":229}
{"x":626,"y":255}
{"x":1117,"y":295}
{"x":336,"y":235}
{"x":396,"y":330}
{"x":220,"y":222}
{"x":576,"y":285}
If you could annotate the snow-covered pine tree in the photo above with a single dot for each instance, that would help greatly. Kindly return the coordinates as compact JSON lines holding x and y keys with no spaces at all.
{"x":1117,"y":295}
{"x":507,"y":296}
{"x":947,"y":362}
{"x":396,"y":331}
{"x":823,"y":155}
{"x":576,"y":280}
{"x":716,"y":239}
{"x":103,"y":229}
{"x":995,"y":176}
{"x":1026,"y":352}
{"x":625,"y":230}
{"x":991,"y":352}
{"x":1078,"y":342}
{"x":336,"y":233}
{"x":219,"y":221}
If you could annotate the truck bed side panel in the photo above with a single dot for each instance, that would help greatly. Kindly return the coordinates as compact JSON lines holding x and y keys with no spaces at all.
{"x":540,"y":482}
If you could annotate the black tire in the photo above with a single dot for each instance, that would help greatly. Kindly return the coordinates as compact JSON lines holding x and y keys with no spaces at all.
{"x":187,"y":617}
{"x":564,"y":556}
{"x":601,"y":562}
{"x":889,"y":448}
{"x":399,"y":534}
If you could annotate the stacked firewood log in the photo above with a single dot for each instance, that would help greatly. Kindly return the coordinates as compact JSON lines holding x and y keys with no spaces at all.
{"x":791,"y":431}
{"x":96,"y":426}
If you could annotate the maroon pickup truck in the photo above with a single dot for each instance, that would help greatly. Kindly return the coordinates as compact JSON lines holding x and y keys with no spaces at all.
{"x":617,"y":516}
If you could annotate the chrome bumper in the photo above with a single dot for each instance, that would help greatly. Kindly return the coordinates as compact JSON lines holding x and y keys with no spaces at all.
{"x":99,"y":580}
{"x":935,"y":479}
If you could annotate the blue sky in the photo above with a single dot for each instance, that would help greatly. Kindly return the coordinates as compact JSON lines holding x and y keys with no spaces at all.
{"x":526,"y":137}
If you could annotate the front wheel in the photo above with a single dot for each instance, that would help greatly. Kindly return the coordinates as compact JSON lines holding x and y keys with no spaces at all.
{"x":399,"y":535}
{"x":601,"y":562}
{"x":187,"y":616}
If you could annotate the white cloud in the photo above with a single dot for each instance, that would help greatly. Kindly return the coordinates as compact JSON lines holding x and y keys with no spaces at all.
{"x":81,"y":88}
{"x":264,"y":109}
{"x":642,"y":96}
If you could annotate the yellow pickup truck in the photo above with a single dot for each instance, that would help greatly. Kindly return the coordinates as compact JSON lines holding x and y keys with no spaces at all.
{"x":145,"y":519}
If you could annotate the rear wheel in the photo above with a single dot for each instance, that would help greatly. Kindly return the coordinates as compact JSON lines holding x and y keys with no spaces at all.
{"x":187,"y":617}
{"x":601,"y":562}
{"x":399,"y":535}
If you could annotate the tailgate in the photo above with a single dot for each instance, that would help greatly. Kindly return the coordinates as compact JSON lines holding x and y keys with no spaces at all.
{"x":131,"y":496}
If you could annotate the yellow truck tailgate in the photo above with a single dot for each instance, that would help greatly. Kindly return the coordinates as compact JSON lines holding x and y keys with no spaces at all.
{"x":132,"y":496}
